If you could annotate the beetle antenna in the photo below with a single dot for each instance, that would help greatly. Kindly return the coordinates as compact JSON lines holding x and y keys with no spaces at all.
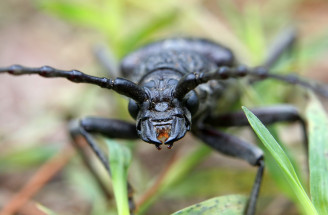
{"x":316,"y":87}
{"x":120,"y":85}
{"x":191,"y":80}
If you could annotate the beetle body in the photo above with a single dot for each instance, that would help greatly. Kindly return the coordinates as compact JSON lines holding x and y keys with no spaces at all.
{"x":174,"y":86}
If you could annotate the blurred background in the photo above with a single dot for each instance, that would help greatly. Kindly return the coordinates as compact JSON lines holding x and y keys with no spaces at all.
{"x":34,"y":111}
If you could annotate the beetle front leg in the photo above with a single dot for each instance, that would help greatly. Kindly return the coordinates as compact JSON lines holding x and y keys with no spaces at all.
{"x":233,"y":146}
{"x":109,"y":128}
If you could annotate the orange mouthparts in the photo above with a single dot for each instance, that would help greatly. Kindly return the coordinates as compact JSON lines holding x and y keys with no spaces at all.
{"x":163,"y":133}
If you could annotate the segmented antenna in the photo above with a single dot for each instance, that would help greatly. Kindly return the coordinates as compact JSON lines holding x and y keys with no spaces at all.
{"x":316,"y":87}
{"x":120,"y":85}
{"x":191,"y":80}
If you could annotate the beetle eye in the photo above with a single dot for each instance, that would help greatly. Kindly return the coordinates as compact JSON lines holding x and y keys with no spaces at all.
{"x":191,"y":102}
{"x":133,"y":108}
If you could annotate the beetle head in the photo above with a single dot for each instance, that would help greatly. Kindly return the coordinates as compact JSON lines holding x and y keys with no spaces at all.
{"x":163,"y":119}
{"x":162,"y":122}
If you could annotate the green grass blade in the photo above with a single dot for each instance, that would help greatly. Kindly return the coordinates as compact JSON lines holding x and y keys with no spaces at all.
{"x":318,"y":151}
{"x":119,"y":161}
{"x":23,"y":158}
{"x":79,"y":13}
{"x":45,"y":210}
{"x":224,"y":205}
{"x":143,"y":33}
{"x":287,"y":169}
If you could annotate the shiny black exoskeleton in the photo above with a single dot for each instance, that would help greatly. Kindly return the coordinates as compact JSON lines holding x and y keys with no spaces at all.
{"x":174,"y":86}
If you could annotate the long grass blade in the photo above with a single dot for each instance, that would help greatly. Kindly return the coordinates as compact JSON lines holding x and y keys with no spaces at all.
{"x":119,"y":161}
{"x":286,"y":167}
{"x":318,"y":154}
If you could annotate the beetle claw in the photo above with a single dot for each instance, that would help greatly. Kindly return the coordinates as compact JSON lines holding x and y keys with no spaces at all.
{"x":158,"y":147}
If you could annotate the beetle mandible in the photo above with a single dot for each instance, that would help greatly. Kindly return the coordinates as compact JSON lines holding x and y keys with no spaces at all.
{"x":173,"y":86}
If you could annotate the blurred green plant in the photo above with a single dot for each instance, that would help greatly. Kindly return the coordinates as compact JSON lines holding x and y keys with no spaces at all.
{"x":318,"y":151}
{"x":25,"y":158}
{"x":123,"y":29}
{"x":119,"y":158}
{"x":46,"y":210}
{"x":226,"y":205}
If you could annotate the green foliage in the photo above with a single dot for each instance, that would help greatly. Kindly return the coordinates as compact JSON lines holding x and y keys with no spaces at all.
{"x":318,"y":151}
{"x":226,"y":205}
{"x":24,"y":158}
{"x":119,"y":161}
{"x":46,"y":210}
{"x":113,"y":20}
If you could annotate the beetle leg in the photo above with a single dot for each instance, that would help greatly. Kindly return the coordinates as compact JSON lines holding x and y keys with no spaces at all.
{"x":283,"y":43}
{"x":110,"y":128}
{"x":267,"y":115}
{"x":233,"y":146}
